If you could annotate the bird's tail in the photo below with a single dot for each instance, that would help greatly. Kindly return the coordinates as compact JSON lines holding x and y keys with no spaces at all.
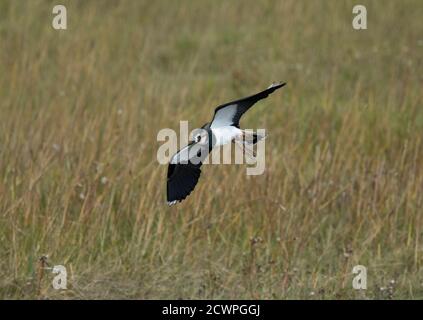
{"x":251,"y":138}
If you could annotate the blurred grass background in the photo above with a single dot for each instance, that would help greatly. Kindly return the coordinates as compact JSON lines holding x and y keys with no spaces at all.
{"x":80,"y":110}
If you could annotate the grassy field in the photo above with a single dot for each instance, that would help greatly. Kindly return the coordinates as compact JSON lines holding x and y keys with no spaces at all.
{"x":79,"y":181}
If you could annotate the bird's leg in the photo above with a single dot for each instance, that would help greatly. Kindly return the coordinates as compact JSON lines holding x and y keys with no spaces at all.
{"x":247,"y":149}
{"x":246,"y":142}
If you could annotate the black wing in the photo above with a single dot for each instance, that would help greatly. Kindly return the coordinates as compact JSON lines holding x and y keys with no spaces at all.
{"x":229,"y":113}
{"x":184,"y":171}
{"x":181,"y":180}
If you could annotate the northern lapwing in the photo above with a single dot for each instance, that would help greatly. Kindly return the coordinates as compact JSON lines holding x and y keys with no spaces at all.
{"x":184,"y":166}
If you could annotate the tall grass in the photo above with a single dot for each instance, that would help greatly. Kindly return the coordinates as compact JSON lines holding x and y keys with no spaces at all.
{"x":80,"y":110}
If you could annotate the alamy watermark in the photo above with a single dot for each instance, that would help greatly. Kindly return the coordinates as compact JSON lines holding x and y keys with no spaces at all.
{"x":60,"y":20}
{"x":360,"y":280}
{"x":60,"y":281}
{"x":359,"y":21}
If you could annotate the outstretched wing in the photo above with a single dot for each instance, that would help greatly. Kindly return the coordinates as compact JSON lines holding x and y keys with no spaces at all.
{"x":184,"y":171}
{"x":229,"y":113}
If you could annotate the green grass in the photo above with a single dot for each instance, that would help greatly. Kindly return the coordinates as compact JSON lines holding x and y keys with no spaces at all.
{"x":343,"y":183}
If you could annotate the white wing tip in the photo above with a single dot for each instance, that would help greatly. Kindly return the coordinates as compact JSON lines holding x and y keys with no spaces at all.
{"x":171,"y":203}
{"x":277,"y":84}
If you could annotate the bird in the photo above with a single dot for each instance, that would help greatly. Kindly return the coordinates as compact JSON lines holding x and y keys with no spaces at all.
{"x":184,"y":166}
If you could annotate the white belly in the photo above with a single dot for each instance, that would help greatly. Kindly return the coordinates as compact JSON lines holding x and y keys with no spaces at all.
{"x":224,"y":135}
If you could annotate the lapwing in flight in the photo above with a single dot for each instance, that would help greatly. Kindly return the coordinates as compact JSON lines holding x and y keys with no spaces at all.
{"x":184,"y":166}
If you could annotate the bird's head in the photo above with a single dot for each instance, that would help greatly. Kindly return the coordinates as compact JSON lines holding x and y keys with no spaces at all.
{"x":200,"y":136}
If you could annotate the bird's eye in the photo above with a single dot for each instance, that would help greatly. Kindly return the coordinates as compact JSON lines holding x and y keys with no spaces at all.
{"x":198,"y":138}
